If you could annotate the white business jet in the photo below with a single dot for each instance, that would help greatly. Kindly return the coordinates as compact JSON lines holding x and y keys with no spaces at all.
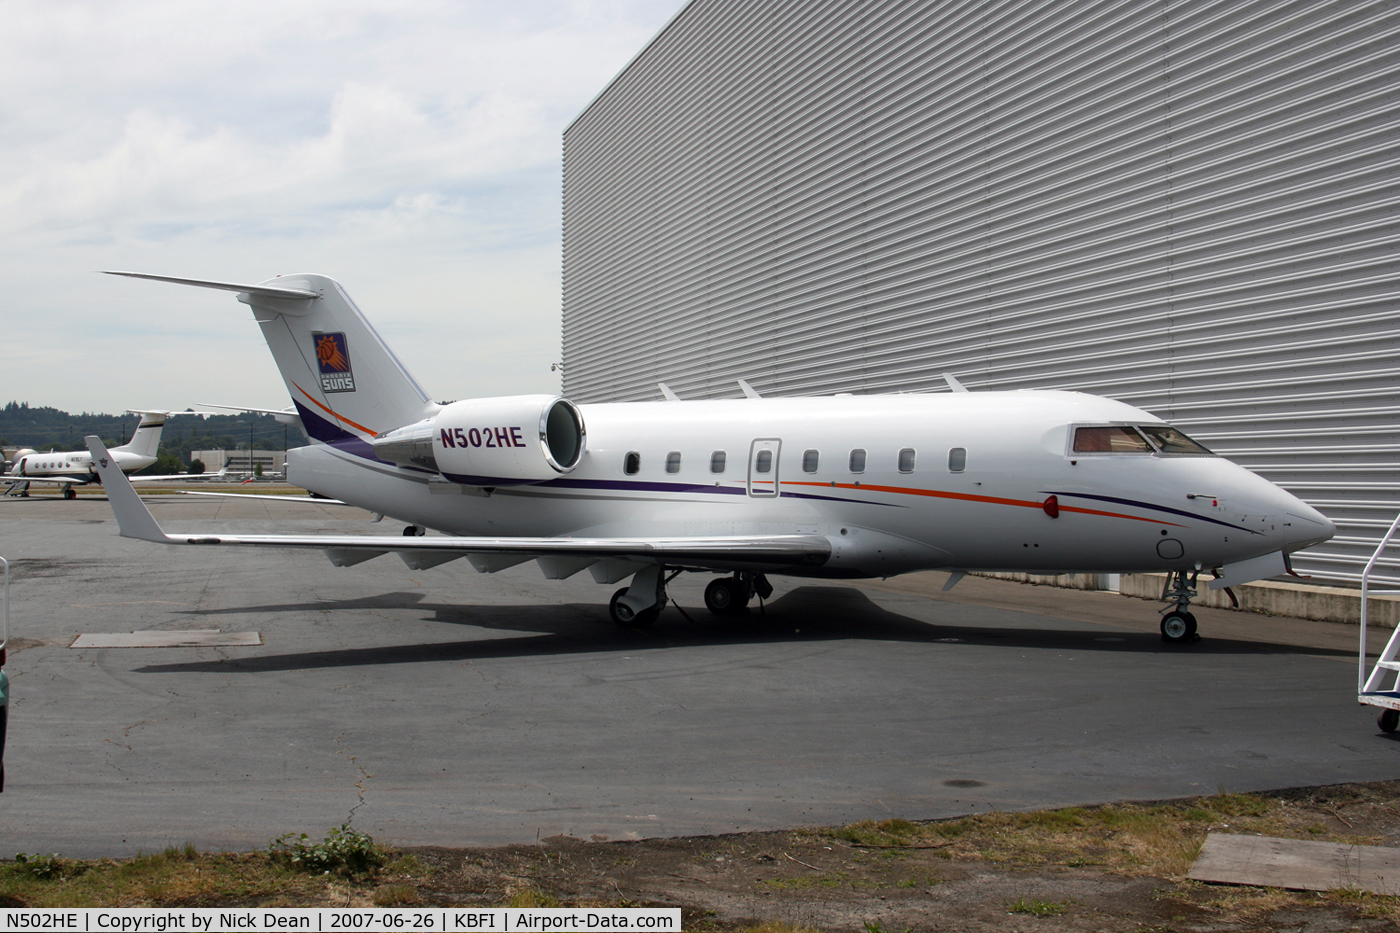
{"x":69,"y":468}
{"x":846,"y":486}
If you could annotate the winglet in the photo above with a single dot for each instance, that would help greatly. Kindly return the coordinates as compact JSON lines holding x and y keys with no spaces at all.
{"x":133,"y":518}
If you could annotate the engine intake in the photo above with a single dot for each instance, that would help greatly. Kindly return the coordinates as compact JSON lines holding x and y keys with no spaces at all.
{"x":508,"y":441}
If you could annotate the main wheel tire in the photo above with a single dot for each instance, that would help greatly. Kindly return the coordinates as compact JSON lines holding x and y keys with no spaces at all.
{"x":621,"y":613}
{"x":1178,"y":627}
{"x":625,"y":616}
{"x":70,"y":493}
{"x":720,"y":597}
{"x":1389,"y":720}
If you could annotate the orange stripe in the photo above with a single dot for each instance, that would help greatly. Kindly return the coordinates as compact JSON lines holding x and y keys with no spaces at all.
{"x":335,"y":415}
{"x":968,"y":497}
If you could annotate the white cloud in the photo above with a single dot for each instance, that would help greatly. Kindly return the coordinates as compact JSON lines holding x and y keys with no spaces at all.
{"x":410,"y":150}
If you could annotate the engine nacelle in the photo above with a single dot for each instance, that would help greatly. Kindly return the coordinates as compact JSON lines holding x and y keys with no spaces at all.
{"x":510,"y":441}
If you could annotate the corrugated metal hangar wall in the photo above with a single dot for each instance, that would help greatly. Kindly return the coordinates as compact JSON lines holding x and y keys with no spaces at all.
{"x":1188,"y":206}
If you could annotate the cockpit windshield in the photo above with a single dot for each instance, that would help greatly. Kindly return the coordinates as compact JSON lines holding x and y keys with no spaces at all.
{"x":1171,"y":441}
{"x":1113,"y":439}
{"x":1135,"y":439}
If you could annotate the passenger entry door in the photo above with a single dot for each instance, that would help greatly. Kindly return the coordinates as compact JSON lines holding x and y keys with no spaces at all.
{"x":763,"y":468}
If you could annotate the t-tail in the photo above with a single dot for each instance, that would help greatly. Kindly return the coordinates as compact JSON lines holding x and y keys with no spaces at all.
{"x":346,"y":383}
{"x":146,"y":441}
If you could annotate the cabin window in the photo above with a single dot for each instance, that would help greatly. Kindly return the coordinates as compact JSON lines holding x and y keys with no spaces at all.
{"x":810,"y":458}
{"x":717,"y":461}
{"x":1171,"y":441}
{"x":632,"y":463}
{"x":906,"y":460}
{"x":673,"y":462}
{"x":858,"y":460}
{"x":1111,"y":439}
{"x":763,"y":462}
{"x":957,"y":460}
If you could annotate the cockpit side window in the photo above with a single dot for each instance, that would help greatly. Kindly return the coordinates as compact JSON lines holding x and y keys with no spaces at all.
{"x":1171,"y":441}
{"x":1111,"y":439}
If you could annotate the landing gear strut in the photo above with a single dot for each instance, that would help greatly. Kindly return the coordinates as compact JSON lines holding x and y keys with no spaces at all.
{"x":1178,"y":624}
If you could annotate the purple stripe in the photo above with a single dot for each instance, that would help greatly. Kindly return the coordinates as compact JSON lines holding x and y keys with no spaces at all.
{"x":333,"y":435}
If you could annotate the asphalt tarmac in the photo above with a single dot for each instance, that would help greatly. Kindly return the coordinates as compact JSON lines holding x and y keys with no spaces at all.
{"x":447,"y":707}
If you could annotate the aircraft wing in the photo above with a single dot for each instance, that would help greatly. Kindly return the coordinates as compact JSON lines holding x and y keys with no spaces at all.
{"x":10,"y":480}
{"x":315,"y":500}
{"x":730,"y":552}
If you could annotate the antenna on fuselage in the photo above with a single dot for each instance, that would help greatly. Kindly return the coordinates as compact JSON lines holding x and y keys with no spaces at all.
{"x":953,"y":383}
{"x":748,"y":390}
{"x":666,"y":392}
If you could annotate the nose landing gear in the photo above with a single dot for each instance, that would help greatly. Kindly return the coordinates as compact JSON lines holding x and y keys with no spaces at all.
{"x":1178,"y":624}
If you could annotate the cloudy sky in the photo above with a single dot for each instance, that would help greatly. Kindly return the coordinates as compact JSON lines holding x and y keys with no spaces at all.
{"x":409,"y":149}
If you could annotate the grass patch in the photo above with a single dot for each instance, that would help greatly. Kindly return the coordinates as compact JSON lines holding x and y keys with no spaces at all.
{"x":531,"y":897}
{"x":1135,"y":839}
{"x":289,"y":874}
{"x":1036,"y":908}
{"x":395,"y":895}
{"x":803,"y":882}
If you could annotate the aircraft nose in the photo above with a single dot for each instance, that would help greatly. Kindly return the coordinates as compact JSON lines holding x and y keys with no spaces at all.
{"x":1306,"y":526}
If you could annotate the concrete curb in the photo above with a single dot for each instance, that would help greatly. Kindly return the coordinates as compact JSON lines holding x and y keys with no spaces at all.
{"x":1268,"y":597}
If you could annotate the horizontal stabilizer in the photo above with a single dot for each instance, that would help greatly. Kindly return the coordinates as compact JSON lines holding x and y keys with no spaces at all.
{"x":264,"y":291}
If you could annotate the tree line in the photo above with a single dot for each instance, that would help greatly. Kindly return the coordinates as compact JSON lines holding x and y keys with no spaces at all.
{"x":45,"y":429}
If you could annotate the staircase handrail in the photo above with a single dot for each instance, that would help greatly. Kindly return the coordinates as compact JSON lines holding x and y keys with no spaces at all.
{"x":1365,"y":592}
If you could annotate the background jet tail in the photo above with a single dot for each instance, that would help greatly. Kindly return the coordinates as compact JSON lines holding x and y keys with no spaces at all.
{"x":146,"y":441}
{"x":346,"y":383}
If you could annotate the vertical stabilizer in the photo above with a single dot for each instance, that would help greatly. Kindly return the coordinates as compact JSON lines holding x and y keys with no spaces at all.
{"x":146,"y":441}
{"x":346,"y":383}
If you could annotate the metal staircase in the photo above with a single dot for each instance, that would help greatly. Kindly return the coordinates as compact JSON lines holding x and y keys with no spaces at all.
{"x":1372,"y":689}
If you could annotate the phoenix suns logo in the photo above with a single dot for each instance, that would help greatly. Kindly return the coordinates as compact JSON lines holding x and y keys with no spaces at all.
{"x":333,"y":359}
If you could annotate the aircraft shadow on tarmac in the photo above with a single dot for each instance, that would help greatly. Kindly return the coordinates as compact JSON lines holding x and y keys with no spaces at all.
{"x":806,"y":614}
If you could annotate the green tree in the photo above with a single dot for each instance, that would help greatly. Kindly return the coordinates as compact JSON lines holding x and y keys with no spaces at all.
{"x":196,"y":466}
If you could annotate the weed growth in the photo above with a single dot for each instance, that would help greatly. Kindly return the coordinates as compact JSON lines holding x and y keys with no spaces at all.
{"x":344,"y":850}
{"x":1036,"y":908}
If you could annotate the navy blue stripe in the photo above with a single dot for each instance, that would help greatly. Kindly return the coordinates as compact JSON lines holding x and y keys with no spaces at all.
{"x":334,"y":435}
{"x":1158,"y":508}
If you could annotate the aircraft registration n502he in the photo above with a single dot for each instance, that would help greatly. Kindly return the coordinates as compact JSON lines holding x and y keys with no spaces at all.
{"x":844,"y":486}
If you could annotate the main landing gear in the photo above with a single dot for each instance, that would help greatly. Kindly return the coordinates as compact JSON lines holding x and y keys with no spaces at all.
{"x":638,"y":605}
{"x":731,"y":595}
{"x":1178,"y":624}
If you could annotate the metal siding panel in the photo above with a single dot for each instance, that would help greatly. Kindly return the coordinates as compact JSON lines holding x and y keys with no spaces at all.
{"x":1188,"y":206}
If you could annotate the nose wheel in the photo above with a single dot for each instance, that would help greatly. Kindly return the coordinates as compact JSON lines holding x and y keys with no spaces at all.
{"x":1178,"y":624}
{"x":1179,"y":627}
